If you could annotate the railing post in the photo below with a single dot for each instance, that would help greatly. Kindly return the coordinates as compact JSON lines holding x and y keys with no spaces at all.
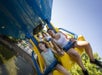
{"x":29,"y":36}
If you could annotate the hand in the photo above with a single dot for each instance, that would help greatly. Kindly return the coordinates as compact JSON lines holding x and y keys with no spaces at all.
{"x":72,"y":39}
{"x":48,"y":38}
{"x":61,"y":53}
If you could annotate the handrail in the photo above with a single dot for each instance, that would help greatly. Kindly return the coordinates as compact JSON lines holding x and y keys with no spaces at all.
{"x":75,"y":35}
{"x":48,"y":69}
{"x":36,"y":65}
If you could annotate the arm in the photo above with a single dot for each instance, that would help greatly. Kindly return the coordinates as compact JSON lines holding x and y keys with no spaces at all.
{"x":57,"y":48}
{"x":55,"y":52}
{"x":64,"y":34}
{"x":55,"y":45}
{"x":71,"y":39}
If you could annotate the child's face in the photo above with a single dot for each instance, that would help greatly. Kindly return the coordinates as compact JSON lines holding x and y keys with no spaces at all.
{"x":42,"y":46}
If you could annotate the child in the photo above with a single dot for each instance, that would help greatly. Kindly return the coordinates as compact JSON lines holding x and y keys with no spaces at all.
{"x":48,"y":56}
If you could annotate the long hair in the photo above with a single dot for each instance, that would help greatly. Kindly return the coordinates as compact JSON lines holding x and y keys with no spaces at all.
{"x":51,"y":29}
{"x":46,"y":45}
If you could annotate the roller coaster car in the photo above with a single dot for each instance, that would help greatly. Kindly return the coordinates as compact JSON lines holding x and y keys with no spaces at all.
{"x":68,"y":61}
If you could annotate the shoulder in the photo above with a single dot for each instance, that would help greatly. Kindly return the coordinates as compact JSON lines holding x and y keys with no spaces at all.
{"x":49,"y":49}
{"x":58,"y":33}
{"x":61,"y":33}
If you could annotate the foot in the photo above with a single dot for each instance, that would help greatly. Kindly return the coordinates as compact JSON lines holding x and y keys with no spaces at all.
{"x":97,"y":62}
{"x":85,"y":72}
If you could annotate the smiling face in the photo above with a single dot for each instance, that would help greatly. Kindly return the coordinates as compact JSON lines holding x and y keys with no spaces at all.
{"x":42,"y":46}
{"x":51,"y":32}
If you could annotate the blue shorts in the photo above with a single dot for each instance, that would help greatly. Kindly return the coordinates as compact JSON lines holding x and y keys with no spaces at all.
{"x":69,"y":45}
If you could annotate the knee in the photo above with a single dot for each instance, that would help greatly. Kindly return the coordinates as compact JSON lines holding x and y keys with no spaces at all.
{"x":87,"y":44}
{"x":57,"y":66}
{"x":76,"y":55}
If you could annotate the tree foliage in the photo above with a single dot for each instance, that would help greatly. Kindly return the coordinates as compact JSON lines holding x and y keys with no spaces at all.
{"x":92,"y":68}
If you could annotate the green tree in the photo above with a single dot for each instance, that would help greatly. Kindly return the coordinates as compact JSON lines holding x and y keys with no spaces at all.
{"x":92,"y":68}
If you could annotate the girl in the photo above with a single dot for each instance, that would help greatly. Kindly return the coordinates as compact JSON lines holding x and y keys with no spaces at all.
{"x":48,"y":56}
{"x":68,"y":46}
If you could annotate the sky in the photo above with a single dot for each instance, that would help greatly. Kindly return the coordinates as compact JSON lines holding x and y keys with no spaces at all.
{"x":81,"y":17}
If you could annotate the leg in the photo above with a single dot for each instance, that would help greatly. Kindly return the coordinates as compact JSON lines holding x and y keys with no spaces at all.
{"x":88,"y":49}
{"x":76,"y":57}
{"x":50,"y":73}
{"x":62,"y":69}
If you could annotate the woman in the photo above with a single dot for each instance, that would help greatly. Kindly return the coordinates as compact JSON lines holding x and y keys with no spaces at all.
{"x":48,"y":56}
{"x":73,"y":43}
{"x":68,"y":46}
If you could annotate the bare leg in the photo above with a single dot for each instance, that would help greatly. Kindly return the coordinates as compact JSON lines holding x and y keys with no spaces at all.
{"x":76,"y":57}
{"x":62,"y":69}
{"x":88,"y":49}
{"x":50,"y":73}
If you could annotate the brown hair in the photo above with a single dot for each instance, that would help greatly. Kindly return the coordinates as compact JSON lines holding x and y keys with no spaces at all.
{"x":46,"y":45}
{"x":51,"y":29}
